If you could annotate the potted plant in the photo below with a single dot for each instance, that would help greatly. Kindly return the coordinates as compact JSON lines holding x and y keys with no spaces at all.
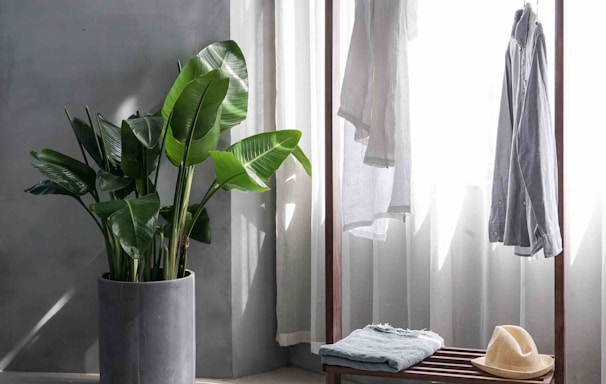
{"x":146,"y":299}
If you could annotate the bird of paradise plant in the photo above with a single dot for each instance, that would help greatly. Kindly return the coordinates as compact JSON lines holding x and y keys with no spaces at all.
{"x":118,"y":174}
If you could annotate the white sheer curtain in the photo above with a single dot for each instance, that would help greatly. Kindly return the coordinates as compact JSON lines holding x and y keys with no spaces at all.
{"x":585,"y":187}
{"x":300,"y":200}
{"x":438,"y":270}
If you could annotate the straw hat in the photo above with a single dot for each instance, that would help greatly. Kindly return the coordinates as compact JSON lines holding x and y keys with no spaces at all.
{"x":512,"y":353}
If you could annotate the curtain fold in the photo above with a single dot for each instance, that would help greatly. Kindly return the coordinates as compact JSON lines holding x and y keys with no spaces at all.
{"x":299,"y":199}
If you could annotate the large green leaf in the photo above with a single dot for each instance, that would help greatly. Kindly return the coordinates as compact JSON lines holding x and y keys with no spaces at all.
{"x":111,"y":138}
{"x":47,"y":187}
{"x":264,"y":153}
{"x":231,"y":174}
{"x":198,"y":149}
{"x":201,"y":228}
{"x":147,"y":129}
{"x":226,"y":56}
{"x":109,"y":183}
{"x":134,"y":223}
{"x":138,"y":161}
{"x":302,"y":159}
{"x":192,"y":70}
{"x":195,"y":112}
{"x":63,"y":177}
{"x":131,"y":162}
{"x":71,"y":174}
{"x":107,"y":208}
{"x":89,"y":140}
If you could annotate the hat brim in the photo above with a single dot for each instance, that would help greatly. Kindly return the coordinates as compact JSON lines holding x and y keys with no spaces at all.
{"x":546,"y":363}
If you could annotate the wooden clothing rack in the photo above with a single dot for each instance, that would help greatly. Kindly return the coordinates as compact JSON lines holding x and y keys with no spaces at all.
{"x":448,"y":365}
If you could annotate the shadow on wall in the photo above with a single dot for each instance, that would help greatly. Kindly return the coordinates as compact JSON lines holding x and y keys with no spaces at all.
{"x":254,"y":285}
{"x":52,"y":313}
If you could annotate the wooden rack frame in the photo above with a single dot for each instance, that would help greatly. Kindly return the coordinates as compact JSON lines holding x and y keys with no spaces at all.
{"x":448,"y":365}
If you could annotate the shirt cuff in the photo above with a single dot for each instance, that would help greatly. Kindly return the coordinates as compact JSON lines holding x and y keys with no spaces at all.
{"x":552,"y":243}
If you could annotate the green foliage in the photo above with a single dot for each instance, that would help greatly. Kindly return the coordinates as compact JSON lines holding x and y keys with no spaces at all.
{"x":143,"y":240}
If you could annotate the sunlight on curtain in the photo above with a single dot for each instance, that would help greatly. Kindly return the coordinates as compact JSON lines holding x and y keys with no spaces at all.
{"x":585,"y":134}
{"x":299,"y":199}
{"x":438,"y":270}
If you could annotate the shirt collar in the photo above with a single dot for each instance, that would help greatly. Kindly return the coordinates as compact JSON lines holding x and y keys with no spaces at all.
{"x":524,"y":20}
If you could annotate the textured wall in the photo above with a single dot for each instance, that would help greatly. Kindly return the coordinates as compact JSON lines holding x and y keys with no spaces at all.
{"x":116,"y":56}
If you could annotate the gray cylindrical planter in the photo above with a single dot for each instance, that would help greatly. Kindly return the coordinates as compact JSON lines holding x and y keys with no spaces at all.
{"x":147,"y":331}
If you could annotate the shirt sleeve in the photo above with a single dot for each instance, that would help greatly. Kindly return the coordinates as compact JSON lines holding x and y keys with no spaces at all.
{"x":500,"y":180}
{"x":537,"y":153}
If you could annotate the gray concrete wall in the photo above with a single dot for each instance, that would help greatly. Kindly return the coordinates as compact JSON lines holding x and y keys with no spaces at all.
{"x":116,"y":56}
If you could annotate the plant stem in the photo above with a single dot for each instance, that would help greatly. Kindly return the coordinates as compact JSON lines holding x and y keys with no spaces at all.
{"x":214,"y":187}
{"x":147,"y":261}
{"x":169,"y":260}
{"x":183,"y":239}
{"x":159,"y":258}
{"x":134,"y":263}
{"x":181,"y":200}
{"x":183,"y":257}
{"x":109,"y":252}
{"x":170,"y":117}
{"x":90,"y":121}
{"x":103,"y":228}
{"x":90,"y":213}
{"x":163,"y":253}
{"x":118,"y":260}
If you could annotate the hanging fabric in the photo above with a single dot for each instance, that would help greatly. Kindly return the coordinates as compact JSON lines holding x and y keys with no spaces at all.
{"x":524,"y":209}
{"x":300,"y":200}
{"x":374,"y":102}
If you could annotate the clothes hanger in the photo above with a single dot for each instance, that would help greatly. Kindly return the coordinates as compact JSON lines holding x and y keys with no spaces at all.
{"x":537,"y":9}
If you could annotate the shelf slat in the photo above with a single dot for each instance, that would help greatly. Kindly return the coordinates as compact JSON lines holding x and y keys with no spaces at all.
{"x":447,"y":365}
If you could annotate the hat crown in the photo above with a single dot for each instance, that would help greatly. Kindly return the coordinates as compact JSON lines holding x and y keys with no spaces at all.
{"x":512,"y":348}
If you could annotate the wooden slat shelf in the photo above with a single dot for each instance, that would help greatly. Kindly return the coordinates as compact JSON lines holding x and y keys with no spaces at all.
{"x":447,"y":365}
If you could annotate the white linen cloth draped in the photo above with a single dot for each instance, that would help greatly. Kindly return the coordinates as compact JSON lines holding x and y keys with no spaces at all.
{"x":437,"y":270}
{"x":375,"y":104}
{"x":374,"y":95}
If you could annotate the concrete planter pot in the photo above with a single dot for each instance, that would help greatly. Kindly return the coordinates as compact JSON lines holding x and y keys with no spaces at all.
{"x":147,"y":331}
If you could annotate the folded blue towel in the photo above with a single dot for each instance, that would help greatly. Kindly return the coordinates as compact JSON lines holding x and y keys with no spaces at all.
{"x":380,"y":347}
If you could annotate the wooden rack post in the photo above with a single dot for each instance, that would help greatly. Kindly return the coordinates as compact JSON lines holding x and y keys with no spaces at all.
{"x":449,"y":365}
{"x":560,"y":261}
{"x":333,"y":212}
